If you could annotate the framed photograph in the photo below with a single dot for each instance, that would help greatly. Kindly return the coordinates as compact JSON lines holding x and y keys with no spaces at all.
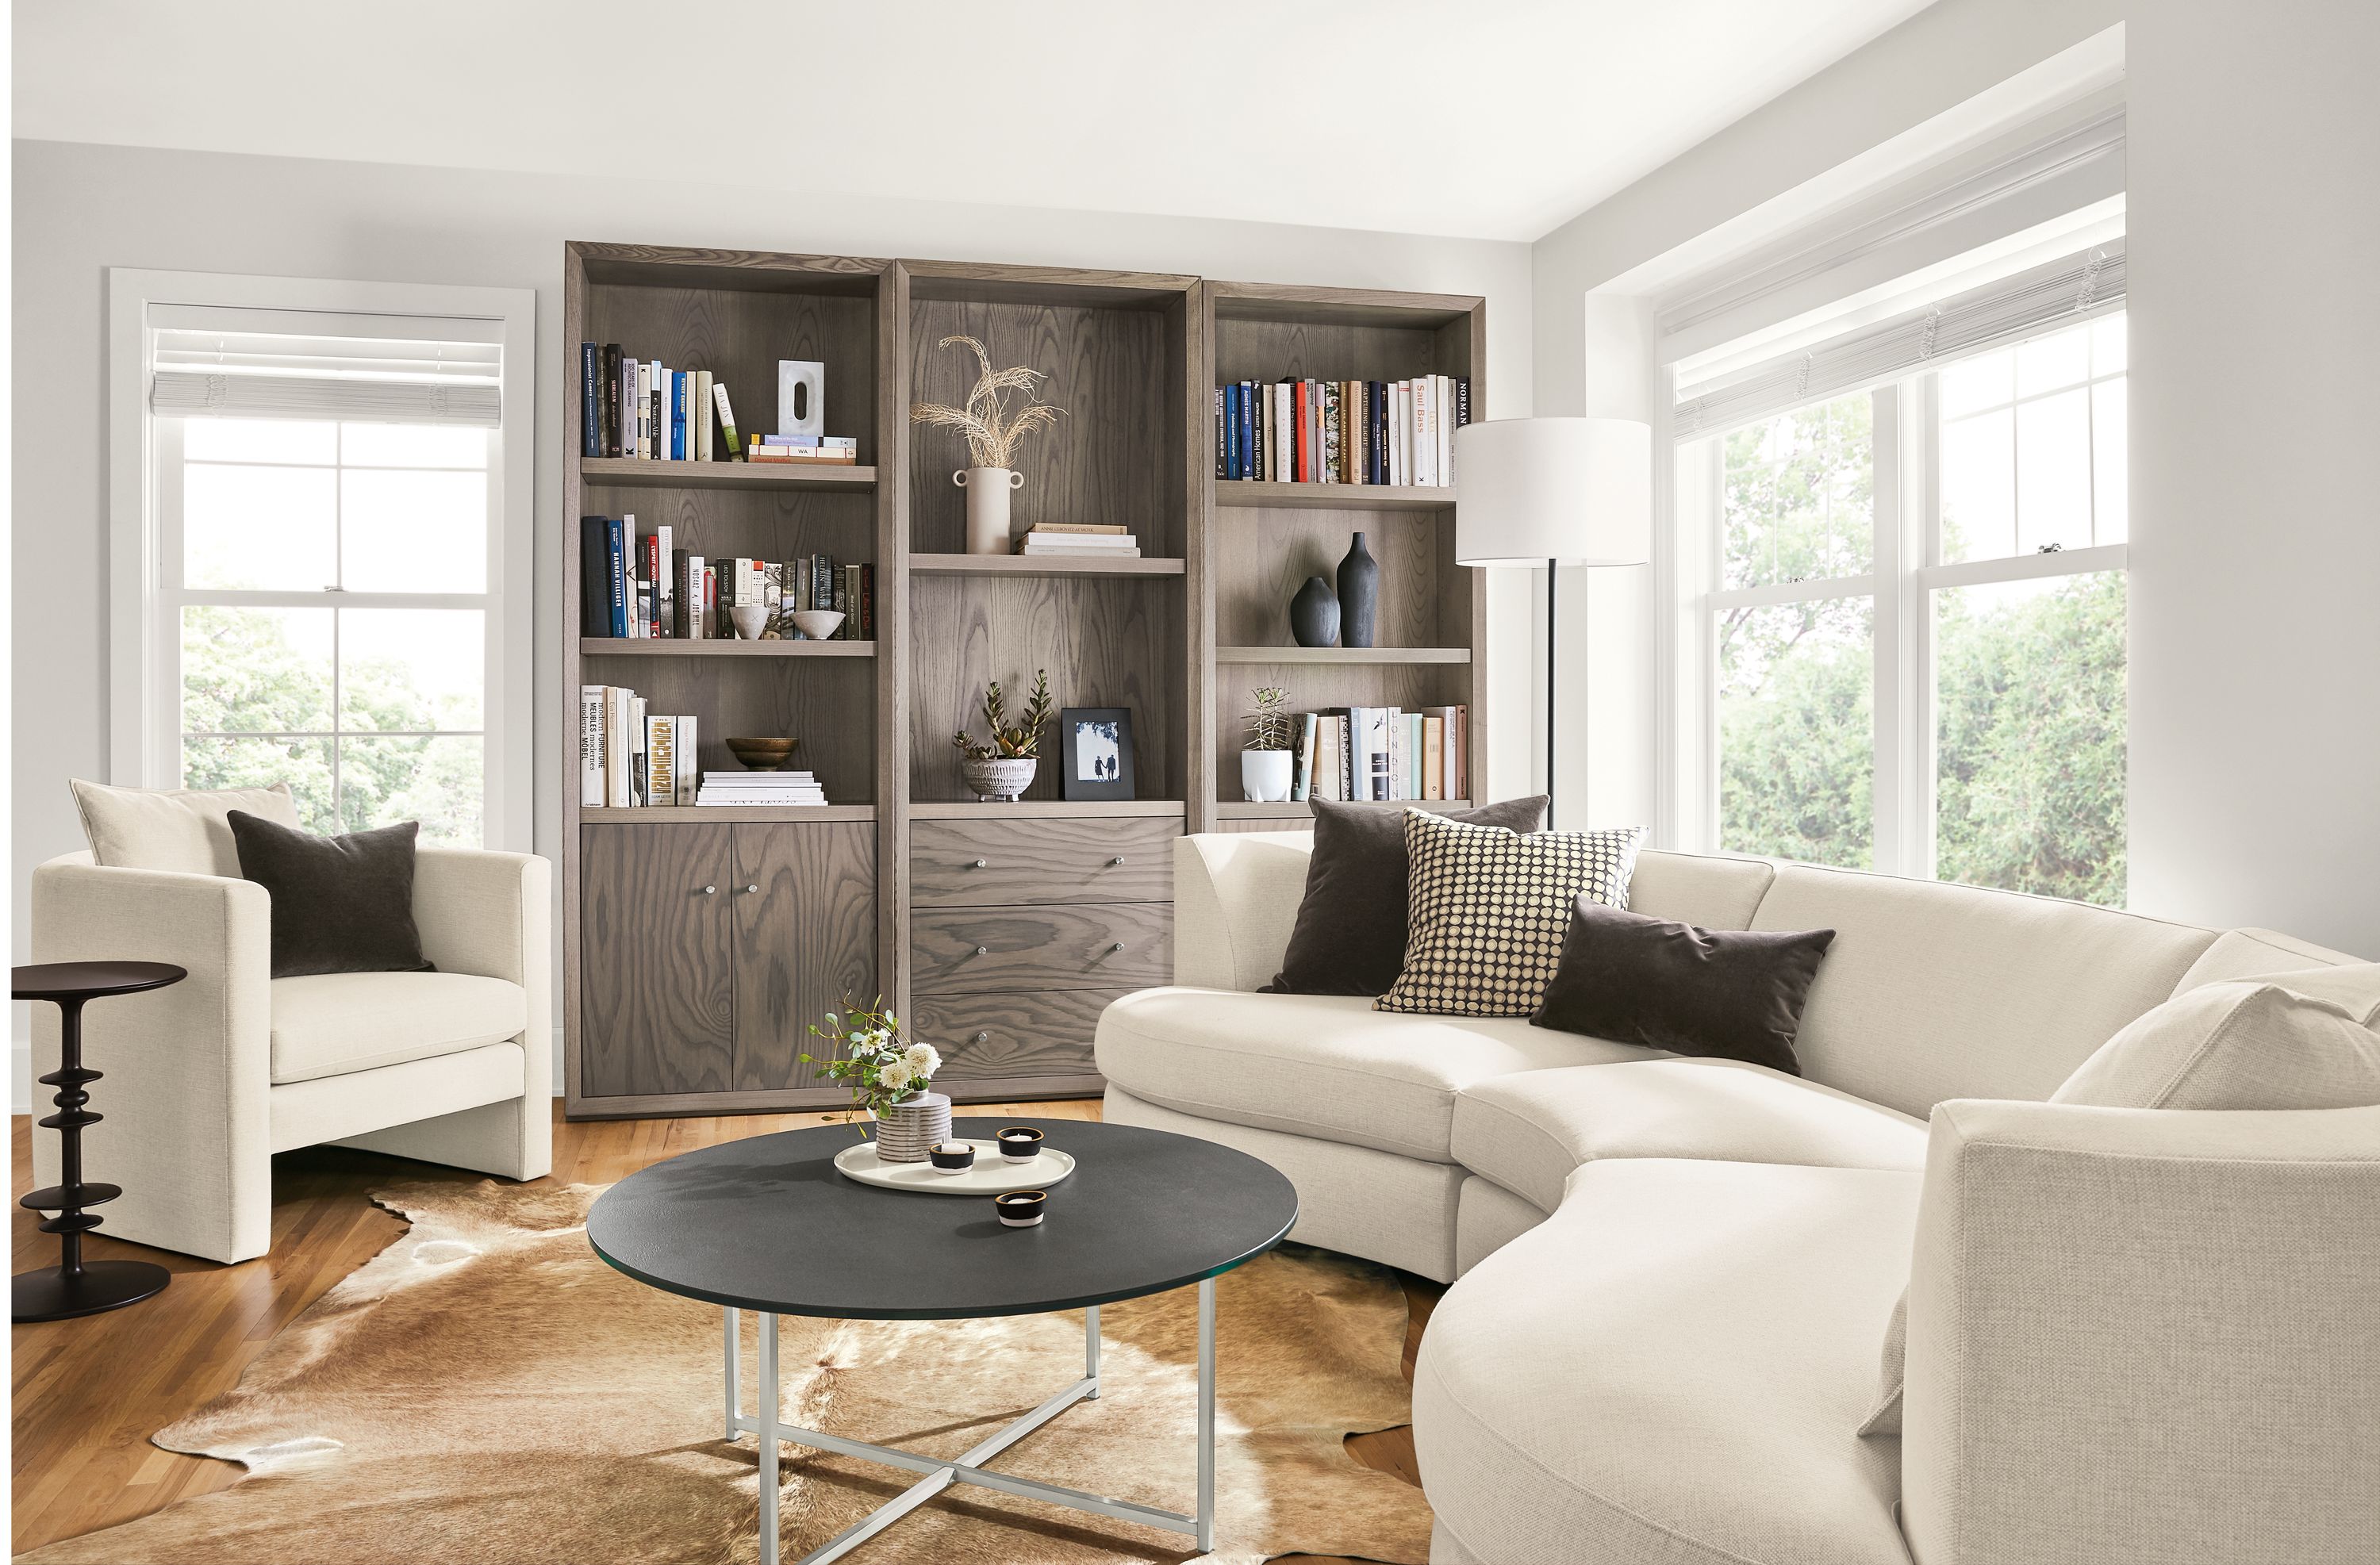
{"x":1095,"y":754}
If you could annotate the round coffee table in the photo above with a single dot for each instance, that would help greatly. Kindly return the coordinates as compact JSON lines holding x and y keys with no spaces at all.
{"x":769,"y":1225}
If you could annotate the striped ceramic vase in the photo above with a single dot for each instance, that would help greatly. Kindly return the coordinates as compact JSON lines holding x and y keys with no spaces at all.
{"x":906,"y":1132}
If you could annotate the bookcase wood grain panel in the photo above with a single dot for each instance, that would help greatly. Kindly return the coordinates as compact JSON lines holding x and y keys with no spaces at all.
{"x":990,"y":949}
{"x":1263,"y":557}
{"x":827,"y":703}
{"x":805,"y":940}
{"x":753,"y":523}
{"x":660,"y":1016}
{"x":989,"y":1041}
{"x":993,"y":863}
{"x":1107,"y":641}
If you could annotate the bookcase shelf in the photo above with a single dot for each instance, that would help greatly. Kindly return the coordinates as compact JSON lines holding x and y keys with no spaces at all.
{"x":1240,"y":809}
{"x":627,"y":472}
{"x":1253,"y":493}
{"x":1343,"y":654}
{"x":669,"y":647}
{"x":1017,"y":564}
{"x":676,"y":1002}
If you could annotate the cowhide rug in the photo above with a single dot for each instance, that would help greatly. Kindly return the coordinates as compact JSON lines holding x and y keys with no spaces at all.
{"x":485,"y":1389}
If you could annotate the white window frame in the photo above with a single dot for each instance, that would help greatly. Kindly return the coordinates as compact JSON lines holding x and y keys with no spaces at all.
{"x":1906,"y":572}
{"x":144,"y":690}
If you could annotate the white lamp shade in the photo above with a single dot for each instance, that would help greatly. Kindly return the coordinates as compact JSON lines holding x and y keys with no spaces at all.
{"x":1577,"y":491}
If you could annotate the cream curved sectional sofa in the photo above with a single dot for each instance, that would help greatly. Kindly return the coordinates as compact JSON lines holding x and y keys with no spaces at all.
{"x":2132,"y":1335}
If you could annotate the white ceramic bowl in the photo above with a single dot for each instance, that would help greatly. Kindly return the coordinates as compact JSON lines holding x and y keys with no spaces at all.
{"x":750,"y":619}
{"x":817,"y":624}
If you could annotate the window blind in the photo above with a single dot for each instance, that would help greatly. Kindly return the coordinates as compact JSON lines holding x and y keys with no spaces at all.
{"x":2044,"y":298}
{"x":230,"y":374}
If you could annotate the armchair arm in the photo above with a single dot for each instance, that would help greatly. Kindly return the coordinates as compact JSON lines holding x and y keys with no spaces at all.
{"x":2144,"y":1335}
{"x":185,"y":1104}
{"x":492,"y":913}
{"x":1235,"y":896}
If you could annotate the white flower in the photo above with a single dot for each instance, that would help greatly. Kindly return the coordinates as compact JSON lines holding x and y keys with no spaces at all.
{"x":896,"y":1076}
{"x":922,"y":1059}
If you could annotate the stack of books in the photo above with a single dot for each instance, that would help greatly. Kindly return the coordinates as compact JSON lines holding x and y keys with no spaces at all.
{"x":767,"y":789}
{"x":1080,"y":540}
{"x":844,"y":449}
{"x":1381,"y":753}
{"x":647,"y":411}
{"x":1341,"y":431}
{"x":629,"y":759}
{"x":636,"y":585}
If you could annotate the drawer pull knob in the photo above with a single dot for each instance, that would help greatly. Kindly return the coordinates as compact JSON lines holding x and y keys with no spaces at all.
{"x":1117,"y":859}
{"x":983,"y":1037}
{"x":983,"y":951}
{"x":749,"y":889}
{"x":980,"y":864}
{"x":1115,"y":948}
{"x":710,"y":891}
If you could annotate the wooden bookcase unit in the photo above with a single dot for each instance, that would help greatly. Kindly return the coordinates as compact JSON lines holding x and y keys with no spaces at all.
{"x":699,"y":943}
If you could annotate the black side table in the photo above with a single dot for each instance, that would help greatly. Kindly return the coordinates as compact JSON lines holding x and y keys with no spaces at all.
{"x":74,"y":1287}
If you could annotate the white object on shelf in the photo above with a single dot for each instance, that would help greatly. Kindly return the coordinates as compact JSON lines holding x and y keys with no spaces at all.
{"x":801,"y":396}
{"x":992,"y":1174}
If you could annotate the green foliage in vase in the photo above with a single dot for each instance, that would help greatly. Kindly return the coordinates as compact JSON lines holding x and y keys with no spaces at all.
{"x":1269,"y":724}
{"x":1017,"y":741}
{"x":870,"y":1060}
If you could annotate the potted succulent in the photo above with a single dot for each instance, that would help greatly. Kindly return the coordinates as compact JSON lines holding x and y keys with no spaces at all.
{"x":887,"y":1077}
{"x":1265,"y":762}
{"x":993,"y":434}
{"x":1002,"y":767}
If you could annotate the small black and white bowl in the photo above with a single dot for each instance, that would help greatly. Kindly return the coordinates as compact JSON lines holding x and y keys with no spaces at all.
{"x":1019,"y":1144}
{"x":951,"y":1157}
{"x":1020,"y":1208}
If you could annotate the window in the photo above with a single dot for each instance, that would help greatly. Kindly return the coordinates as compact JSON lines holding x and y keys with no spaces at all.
{"x":323,"y":589}
{"x":1911,"y":630}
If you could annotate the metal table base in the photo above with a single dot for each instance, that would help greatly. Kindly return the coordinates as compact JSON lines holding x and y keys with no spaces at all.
{"x":940,"y":1472}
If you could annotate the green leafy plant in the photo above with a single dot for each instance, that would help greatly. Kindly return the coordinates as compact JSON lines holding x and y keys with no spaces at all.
{"x":992,"y":432}
{"x":871,"y":1059}
{"x":1269,"y":724}
{"x":1018,"y":741}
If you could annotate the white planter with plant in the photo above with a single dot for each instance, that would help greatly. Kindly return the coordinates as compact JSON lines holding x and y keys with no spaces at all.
{"x":992,"y":436}
{"x":1002,"y":767}
{"x":888,"y":1078}
{"x":1265,"y":768}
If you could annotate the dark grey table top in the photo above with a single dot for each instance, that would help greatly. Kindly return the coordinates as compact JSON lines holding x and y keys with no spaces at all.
{"x":767,"y":1224}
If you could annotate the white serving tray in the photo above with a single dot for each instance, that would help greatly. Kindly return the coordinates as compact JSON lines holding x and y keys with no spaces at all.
{"x":992,"y":1174}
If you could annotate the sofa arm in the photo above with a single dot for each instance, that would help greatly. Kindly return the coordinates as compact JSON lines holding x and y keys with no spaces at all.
{"x":187,"y":1067}
{"x":1235,"y":896}
{"x":2144,"y":1335}
{"x":492,"y":913}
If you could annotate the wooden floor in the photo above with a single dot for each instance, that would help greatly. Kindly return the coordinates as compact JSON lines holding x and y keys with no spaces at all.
{"x":90,"y":1392}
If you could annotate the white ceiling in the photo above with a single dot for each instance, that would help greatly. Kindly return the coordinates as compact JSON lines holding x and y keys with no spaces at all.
{"x":1485,"y":118}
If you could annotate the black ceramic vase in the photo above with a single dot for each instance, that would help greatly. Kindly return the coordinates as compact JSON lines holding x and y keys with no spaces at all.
{"x":1359,"y":595}
{"x":1314,"y":615}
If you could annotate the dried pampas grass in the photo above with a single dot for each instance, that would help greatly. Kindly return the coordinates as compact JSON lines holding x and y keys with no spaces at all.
{"x":991,"y":433}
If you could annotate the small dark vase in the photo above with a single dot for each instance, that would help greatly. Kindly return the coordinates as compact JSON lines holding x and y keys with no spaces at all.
{"x":1314,"y":615}
{"x":1359,"y":595}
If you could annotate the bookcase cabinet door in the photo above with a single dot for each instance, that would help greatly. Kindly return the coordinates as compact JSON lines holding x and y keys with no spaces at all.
{"x":657,"y":970}
{"x":804,"y":909}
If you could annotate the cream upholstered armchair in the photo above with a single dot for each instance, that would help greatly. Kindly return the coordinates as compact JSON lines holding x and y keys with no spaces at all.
{"x":209,"y":1077}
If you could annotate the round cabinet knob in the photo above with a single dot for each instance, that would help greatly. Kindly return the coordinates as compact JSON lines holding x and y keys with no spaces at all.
{"x":749,"y":889}
{"x":1115,"y":948}
{"x":983,"y":951}
{"x":982,"y":1038}
{"x":1116,"y":860}
{"x":980,"y":864}
{"x":709,"y":890}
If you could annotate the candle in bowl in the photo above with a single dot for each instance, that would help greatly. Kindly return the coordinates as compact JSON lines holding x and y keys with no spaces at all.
{"x":951,"y":1157}
{"x":1019,"y":1144}
{"x":1020,"y":1208}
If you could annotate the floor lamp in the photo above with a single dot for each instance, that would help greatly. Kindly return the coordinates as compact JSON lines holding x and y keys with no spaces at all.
{"x":1553,"y":492}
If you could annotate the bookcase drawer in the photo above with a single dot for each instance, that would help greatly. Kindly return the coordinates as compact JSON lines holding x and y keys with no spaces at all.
{"x":994,"y":1041}
{"x":1006,"y":863}
{"x":1102,"y":945}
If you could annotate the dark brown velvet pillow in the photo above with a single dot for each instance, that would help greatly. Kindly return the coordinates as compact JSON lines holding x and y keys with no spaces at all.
{"x":1350,"y":935}
{"x":340,"y":905}
{"x":1726,"y":994}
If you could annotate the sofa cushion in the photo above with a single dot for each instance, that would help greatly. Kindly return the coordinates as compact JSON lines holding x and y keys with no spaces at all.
{"x":1932,"y":991}
{"x":2234,"y":1045}
{"x":340,"y":904}
{"x":1715,"y":892}
{"x":1669,"y":1368}
{"x":1488,"y":907}
{"x":1529,"y":1133}
{"x":2258,"y":954}
{"x":330,"y":1024}
{"x":1350,"y":935}
{"x":1322,"y":1065}
{"x":182,"y":829}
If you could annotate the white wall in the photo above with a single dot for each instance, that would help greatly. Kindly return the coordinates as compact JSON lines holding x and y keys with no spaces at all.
{"x":81,"y":209}
{"x":2255,"y":592}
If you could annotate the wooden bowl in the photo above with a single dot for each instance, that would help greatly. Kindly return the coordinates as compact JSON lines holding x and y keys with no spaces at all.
{"x":764,"y":755}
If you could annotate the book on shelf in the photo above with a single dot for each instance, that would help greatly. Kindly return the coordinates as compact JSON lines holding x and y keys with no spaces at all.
{"x":762,"y":789}
{"x":640,"y":586}
{"x":647,"y":411}
{"x":1341,"y":431}
{"x":1383,"y":754}
{"x":629,"y":757}
{"x":834,"y":449}
{"x":1080,"y":540}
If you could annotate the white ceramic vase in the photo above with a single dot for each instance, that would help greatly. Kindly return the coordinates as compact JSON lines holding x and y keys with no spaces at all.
{"x":1263,"y":776}
{"x":987,"y":490}
{"x":906,"y":1131}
